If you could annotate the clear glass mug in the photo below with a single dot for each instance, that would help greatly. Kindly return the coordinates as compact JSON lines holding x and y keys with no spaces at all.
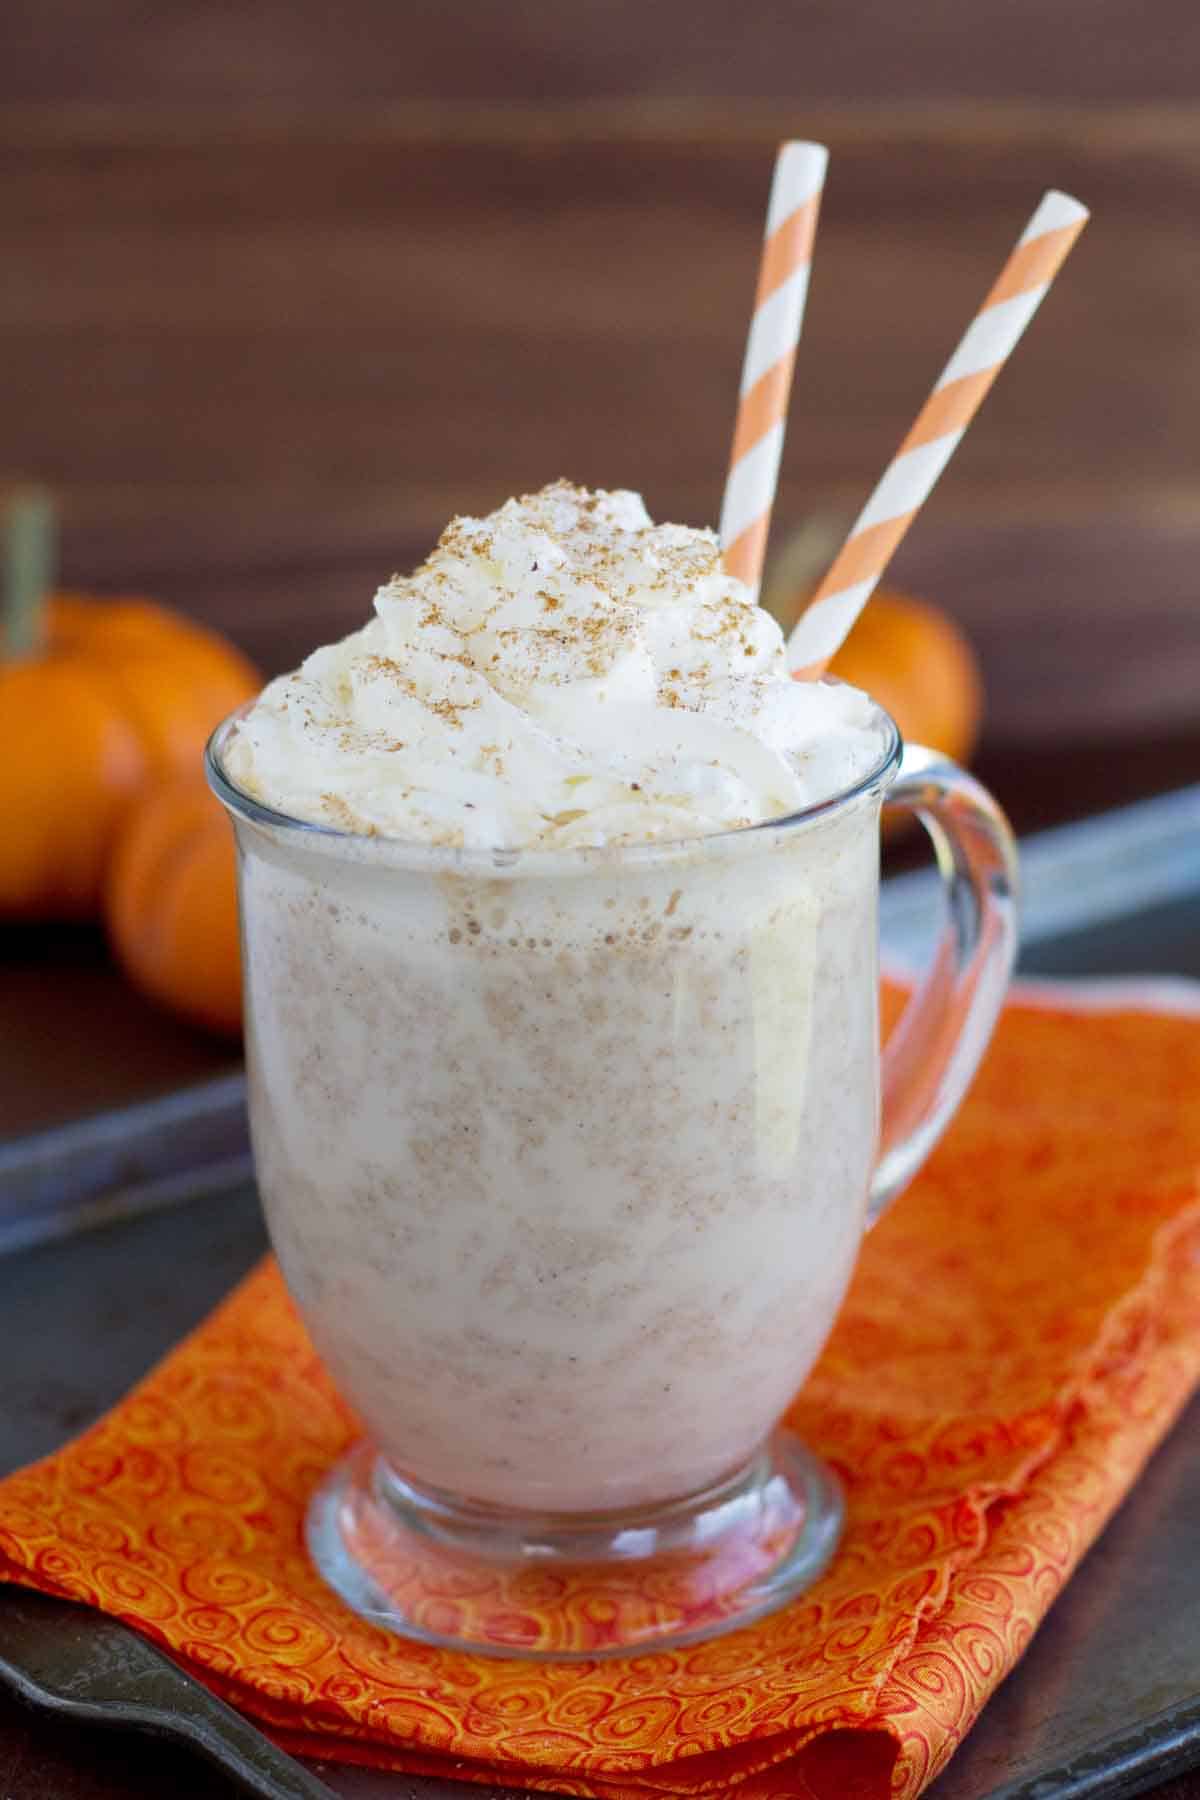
{"x":566,"y":1158}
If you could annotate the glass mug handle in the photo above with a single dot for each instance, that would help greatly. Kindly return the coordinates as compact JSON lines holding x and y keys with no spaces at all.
{"x":936,"y":1046}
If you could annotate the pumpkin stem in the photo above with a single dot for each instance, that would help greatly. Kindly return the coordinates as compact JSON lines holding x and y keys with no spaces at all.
{"x":795,"y":571}
{"x":28,"y":551}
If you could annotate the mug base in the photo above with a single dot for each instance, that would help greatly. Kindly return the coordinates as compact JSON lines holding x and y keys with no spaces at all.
{"x":559,"y":1587}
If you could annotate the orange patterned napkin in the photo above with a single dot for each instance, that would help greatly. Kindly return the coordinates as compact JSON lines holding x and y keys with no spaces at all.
{"x":1022,"y":1330}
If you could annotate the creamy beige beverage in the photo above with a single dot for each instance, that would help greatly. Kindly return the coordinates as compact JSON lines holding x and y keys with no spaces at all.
{"x":563,"y":1083}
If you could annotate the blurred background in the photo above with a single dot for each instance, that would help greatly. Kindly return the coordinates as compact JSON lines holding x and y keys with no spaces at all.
{"x":285,"y":286}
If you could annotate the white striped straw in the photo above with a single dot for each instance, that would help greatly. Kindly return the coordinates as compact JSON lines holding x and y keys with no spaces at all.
{"x":909,"y":478}
{"x":770,"y":356}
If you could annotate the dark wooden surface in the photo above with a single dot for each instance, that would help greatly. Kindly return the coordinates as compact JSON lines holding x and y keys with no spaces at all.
{"x":286,"y":285}
{"x":263,"y":357}
{"x":300,"y":53}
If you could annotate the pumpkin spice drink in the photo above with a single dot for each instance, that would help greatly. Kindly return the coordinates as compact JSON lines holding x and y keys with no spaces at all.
{"x":559,"y":904}
{"x":531,"y":1255}
{"x":559,"y":911}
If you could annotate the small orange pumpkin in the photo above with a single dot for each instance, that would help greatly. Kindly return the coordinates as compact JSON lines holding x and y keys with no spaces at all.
{"x":913,"y":659}
{"x":906,"y":653}
{"x":97,"y":699}
{"x":170,"y":903}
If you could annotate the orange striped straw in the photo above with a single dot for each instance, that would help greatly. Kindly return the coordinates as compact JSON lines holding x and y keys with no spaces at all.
{"x":909,"y":478}
{"x":770,"y":356}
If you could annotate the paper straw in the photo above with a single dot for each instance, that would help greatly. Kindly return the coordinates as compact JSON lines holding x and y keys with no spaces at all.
{"x":909,"y":478}
{"x":770,"y":356}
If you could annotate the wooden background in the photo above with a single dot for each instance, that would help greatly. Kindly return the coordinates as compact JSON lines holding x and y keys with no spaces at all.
{"x":283,"y":287}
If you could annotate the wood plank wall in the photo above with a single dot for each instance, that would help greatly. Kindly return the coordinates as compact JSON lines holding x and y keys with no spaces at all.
{"x":283,"y":288}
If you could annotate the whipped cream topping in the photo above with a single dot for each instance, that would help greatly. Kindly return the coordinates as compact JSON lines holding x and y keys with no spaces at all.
{"x":561,"y":673}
